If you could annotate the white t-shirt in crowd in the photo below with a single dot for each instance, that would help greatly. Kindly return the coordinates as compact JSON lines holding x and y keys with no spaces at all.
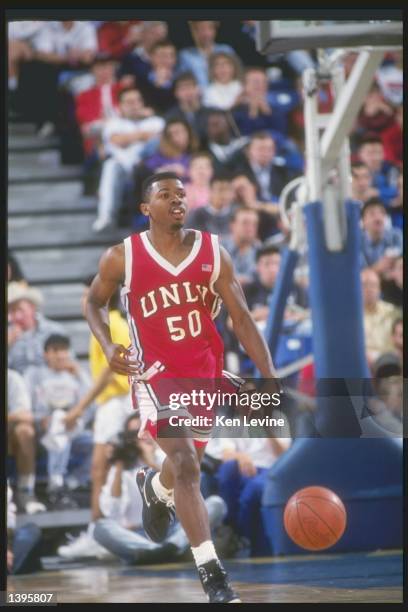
{"x":54,"y":38}
{"x":260,"y":450}
{"x":18,"y":397}
{"x":223,"y":96}
{"x":129,"y":156}
{"x":27,"y":31}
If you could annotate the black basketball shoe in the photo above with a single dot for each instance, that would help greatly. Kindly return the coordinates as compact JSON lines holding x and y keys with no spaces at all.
{"x":215,"y":583}
{"x":157,"y":515}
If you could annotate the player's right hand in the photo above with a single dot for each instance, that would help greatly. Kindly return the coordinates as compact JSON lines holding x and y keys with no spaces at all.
{"x":122,"y":361}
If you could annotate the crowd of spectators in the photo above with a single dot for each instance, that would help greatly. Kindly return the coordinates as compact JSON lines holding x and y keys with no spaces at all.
{"x":131,"y":98}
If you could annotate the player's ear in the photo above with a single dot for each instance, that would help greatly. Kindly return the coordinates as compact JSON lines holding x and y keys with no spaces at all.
{"x":144,"y":207}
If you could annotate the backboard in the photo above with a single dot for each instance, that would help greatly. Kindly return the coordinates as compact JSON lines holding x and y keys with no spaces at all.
{"x":281,"y":36}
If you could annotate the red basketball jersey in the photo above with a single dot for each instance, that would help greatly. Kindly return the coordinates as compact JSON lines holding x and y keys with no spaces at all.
{"x":171,"y":309}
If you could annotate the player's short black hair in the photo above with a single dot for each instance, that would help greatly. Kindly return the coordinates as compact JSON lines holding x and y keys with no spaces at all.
{"x":154,"y":178}
{"x":57,"y":341}
{"x":266,"y":249}
{"x":375,"y":201}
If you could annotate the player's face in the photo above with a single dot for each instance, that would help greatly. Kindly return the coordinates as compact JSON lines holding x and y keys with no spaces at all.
{"x":167,"y":204}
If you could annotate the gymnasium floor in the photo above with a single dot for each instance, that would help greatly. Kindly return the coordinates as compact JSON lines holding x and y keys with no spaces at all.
{"x":357,"y":577}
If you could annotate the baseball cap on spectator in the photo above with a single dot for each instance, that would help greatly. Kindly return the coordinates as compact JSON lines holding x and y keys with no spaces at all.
{"x":387,"y":365}
{"x":17,"y":291}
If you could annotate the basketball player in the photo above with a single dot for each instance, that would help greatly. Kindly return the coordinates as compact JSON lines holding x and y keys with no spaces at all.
{"x":172,"y":282}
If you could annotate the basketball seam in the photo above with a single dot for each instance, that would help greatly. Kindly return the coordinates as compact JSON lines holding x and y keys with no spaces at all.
{"x":330,"y":501}
{"x":321,"y":518}
{"x":301,"y":525}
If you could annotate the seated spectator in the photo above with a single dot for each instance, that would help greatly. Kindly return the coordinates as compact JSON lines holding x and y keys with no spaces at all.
{"x":118,"y":38}
{"x":93,"y":107}
{"x":121,"y":530}
{"x":259,"y":292}
{"x":137,"y":64}
{"x":254,"y":112}
{"x":384,"y":175}
{"x":14,"y":272}
{"x":216,"y":216}
{"x":23,"y":39}
{"x":376,"y":114}
{"x":392,"y":138}
{"x":241,"y":481}
{"x":396,"y":209}
{"x":157,"y":86}
{"x":261,"y":165}
{"x":225,"y":81}
{"x":225,"y":146}
{"x":389,"y":77}
{"x":378,"y":317}
{"x":195,"y":59}
{"x":387,"y":406}
{"x":111,"y":393}
{"x":124,"y":140}
{"x":380,"y":246}
{"x":177,"y":143}
{"x":188,"y":105}
{"x":28,"y":328}
{"x":200,"y":174}
{"x":62,"y":46}
{"x":361,"y":188}
{"x":55,"y":388}
{"x":21,"y":441}
{"x":246,"y":195}
{"x":23,"y":543}
{"x":397,"y":339}
{"x":392,"y":283}
{"x":242,"y":243}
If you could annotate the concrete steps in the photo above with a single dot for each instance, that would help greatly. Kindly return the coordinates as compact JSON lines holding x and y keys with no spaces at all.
{"x":49,"y":229}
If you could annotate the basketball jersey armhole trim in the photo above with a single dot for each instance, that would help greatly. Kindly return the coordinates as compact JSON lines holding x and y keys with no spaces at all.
{"x":216,"y":270}
{"x":128,"y":264}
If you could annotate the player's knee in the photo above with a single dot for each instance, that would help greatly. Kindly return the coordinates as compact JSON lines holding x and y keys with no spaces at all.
{"x":186,"y":465}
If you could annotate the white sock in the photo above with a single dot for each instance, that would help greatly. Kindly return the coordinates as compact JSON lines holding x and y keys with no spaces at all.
{"x":162,"y":493}
{"x":12,"y":83}
{"x":204,"y":553}
{"x":26,"y":481}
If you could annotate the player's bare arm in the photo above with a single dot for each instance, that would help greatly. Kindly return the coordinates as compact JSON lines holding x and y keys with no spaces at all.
{"x":229,"y":289}
{"x":110,"y":276}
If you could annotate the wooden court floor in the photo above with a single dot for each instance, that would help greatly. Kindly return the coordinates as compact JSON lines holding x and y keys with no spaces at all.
{"x":354,"y":577}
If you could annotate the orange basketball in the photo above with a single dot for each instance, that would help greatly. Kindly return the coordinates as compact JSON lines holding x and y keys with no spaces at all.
{"x":315,"y":518}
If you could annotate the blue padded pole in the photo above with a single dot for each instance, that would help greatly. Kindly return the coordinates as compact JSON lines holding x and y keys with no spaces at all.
{"x":337,"y":317}
{"x":283,"y":286}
